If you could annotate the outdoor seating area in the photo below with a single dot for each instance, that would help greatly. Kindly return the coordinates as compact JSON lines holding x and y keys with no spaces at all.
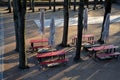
{"x":49,"y":56}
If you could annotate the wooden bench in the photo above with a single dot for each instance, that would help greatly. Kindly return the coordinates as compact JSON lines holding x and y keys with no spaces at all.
{"x":38,"y":41}
{"x":36,"y":47}
{"x":89,"y":38}
{"x":55,"y":61}
{"x":60,"y":54}
{"x":103,"y":56}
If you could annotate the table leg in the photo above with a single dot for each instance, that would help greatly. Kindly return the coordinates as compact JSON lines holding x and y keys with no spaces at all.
{"x":32,"y":45}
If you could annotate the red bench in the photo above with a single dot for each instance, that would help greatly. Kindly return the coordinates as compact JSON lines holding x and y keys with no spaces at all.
{"x":38,"y":41}
{"x":107,"y":55}
{"x":104,"y":51}
{"x":55,"y":61}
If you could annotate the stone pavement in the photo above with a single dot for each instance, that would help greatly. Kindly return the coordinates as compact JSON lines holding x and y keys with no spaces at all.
{"x":87,"y":69}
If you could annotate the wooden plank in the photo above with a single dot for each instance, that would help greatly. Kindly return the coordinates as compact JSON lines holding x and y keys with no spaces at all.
{"x":56,"y":61}
{"x":49,"y":54}
{"x":103,"y":47}
{"x":88,"y":35}
{"x":36,"y":47}
{"x":107,"y":55}
{"x":38,"y":40}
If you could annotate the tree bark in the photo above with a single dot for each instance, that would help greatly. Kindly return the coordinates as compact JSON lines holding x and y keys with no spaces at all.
{"x":15,"y":13}
{"x":66,"y":22}
{"x":74,"y":5}
{"x":33,"y":6}
{"x":79,"y":32}
{"x":54,"y":6}
{"x":9,"y":6}
{"x":49,"y":4}
{"x":21,"y":34}
{"x":107,"y":10}
{"x":30,"y":4}
{"x":95,"y":3}
{"x":86,"y":3}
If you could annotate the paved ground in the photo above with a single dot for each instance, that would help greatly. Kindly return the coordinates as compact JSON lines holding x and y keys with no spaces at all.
{"x":88,"y":69}
{"x":1,"y":46}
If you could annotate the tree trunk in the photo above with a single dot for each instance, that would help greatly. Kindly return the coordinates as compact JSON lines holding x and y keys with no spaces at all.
{"x":79,"y":32}
{"x":9,"y":6}
{"x":15,"y":13}
{"x":74,"y":5}
{"x":30,"y":4}
{"x":49,"y":4}
{"x":66,"y":22}
{"x":33,"y":6}
{"x":54,"y":6}
{"x":86,"y":3}
{"x":95,"y":3}
{"x":107,"y":10}
{"x":21,"y":34}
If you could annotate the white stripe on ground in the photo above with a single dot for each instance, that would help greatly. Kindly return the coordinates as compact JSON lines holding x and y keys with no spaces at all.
{"x":1,"y":46}
{"x":92,"y":75}
{"x":74,"y":21}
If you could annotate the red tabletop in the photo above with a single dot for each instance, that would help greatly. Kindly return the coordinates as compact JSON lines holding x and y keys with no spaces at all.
{"x":85,"y":36}
{"x":103,"y":47}
{"x":39,"y":40}
{"x":48,"y":54}
{"x":88,"y":35}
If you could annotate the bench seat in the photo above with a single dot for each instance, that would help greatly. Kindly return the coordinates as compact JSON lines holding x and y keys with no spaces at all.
{"x":107,"y":55}
{"x":36,"y":47}
{"x":55,"y":61}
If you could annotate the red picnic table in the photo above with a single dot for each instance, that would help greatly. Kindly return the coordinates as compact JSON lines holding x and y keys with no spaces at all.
{"x":111,"y":51}
{"x":59,"y":53}
{"x":32,"y":42}
{"x":85,"y":38}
